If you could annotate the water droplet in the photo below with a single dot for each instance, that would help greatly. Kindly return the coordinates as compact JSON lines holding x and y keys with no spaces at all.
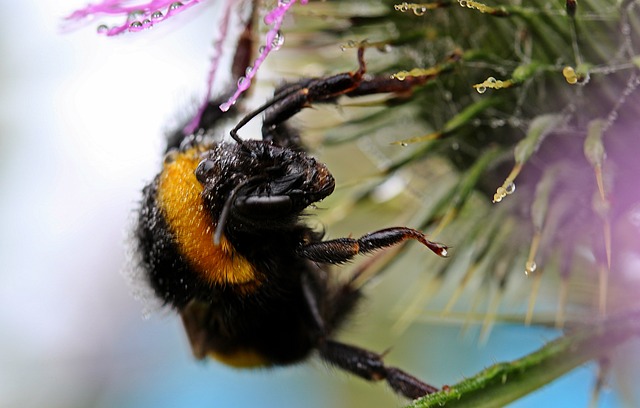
{"x":226,"y":106}
{"x":404,"y":144}
{"x":511,"y":188}
{"x":262,"y":49}
{"x":491,"y":80}
{"x":174,"y":6}
{"x":157,"y":15}
{"x":402,"y":7}
{"x":135,"y":25}
{"x":146,"y":22}
{"x":530,"y":267}
{"x":171,"y":156}
{"x":248,"y":70}
{"x":570,"y":75}
{"x":384,"y":48}
{"x":277,"y":41}
{"x":444,"y":252}
{"x":463,"y":3}
{"x":241,"y":81}
{"x":102,"y":28}
{"x":400,"y":76}
{"x":481,"y":89}
{"x":419,"y":11}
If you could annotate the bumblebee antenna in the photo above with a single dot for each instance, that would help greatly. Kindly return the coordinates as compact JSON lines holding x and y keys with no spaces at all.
{"x":262,"y":108}
{"x":224,"y":214}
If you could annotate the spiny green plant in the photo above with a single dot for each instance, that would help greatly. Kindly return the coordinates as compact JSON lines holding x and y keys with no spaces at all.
{"x":538,"y":94}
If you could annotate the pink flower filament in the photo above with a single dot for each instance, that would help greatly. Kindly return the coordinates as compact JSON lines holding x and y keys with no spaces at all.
{"x":274,"y":41}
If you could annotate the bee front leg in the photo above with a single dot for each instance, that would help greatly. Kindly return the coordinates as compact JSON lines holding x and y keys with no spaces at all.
{"x":292,"y":98}
{"x":341,"y":250}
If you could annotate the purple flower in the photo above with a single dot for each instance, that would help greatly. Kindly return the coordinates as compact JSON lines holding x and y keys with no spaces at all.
{"x":142,"y":16}
{"x":138,"y":17}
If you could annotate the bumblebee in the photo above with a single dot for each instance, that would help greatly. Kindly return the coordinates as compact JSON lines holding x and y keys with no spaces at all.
{"x":222,"y":240}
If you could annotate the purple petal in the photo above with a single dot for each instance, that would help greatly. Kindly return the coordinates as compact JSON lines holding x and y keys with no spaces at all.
{"x":137,"y":17}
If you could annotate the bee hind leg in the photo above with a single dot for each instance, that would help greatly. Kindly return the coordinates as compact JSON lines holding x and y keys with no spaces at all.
{"x":369,"y":366}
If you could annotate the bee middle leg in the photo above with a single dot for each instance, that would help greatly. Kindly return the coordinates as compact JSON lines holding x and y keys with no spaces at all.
{"x":341,"y":250}
{"x":291,"y":98}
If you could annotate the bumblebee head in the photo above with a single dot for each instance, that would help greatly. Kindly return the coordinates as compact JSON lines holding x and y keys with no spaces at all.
{"x":260,"y":183}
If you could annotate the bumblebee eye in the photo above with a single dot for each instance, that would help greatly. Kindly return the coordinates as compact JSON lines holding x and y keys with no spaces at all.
{"x":203,"y":170}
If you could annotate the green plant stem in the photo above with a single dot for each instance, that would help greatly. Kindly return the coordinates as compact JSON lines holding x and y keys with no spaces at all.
{"x":505,"y":382}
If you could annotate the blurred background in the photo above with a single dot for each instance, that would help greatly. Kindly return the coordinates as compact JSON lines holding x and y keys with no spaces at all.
{"x":81,"y":130}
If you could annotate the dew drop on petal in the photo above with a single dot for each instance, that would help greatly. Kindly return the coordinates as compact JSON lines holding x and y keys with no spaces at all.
{"x":278,"y":41}
{"x":157,"y":15}
{"x":175,"y":5}
{"x":481,"y":89}
{"x":102,"y":28}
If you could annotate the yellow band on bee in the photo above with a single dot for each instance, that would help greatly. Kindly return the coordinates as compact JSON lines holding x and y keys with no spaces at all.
{"x":180,"y":199}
